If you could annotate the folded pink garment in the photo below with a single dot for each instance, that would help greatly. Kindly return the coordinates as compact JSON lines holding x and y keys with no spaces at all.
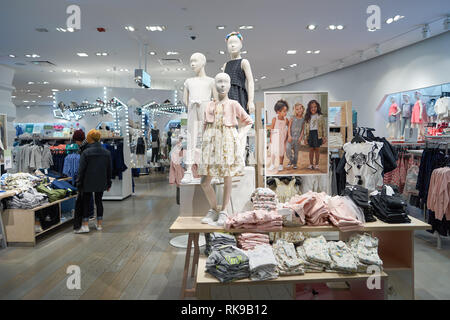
{"x":314,"y":207}
{"x":343,"y":214}
{"x":254,"y":218}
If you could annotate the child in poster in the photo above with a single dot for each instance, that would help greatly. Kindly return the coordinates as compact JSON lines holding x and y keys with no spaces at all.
{"x":314,"y":132}
{"x":295,"y":135}
{"x":279,"y":133}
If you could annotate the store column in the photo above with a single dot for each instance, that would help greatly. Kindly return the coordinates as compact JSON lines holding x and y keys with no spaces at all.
{"x":6,"y":105}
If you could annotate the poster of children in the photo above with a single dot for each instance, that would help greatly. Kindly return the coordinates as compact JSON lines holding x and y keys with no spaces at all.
{"x":296,"y":133}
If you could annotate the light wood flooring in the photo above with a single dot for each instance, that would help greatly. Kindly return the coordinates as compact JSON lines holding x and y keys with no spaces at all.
{"x":132,"y":258}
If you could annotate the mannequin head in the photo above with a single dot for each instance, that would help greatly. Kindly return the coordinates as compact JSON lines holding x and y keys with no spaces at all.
{"x":234,"y":43}
{"x":392,"y":100}
{"x":406,"y":98}
{"x":198,"y":62}
{"x":417,"y":95}
{"x":223,"y":83}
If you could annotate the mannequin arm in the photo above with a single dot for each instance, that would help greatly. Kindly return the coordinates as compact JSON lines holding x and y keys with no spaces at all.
{"x":421,"y":109}
{"x":185,"y":96}
{"x":250,"y":85}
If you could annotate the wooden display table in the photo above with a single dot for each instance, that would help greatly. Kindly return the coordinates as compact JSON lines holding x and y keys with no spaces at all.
{"x":19,"y":223}
{"x":395,"y":248}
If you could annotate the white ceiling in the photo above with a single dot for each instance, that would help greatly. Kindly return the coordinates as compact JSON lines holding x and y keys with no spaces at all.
{"x":278,"y":26}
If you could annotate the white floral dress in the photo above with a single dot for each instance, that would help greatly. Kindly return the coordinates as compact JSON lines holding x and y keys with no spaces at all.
{"x":220,"y":145}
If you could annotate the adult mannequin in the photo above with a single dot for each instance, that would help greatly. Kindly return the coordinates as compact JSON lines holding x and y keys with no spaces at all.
{"x":242,"y":84}
{"x":198,"y":91}
{"x":394,"y":110}
{"x":405,"y":115}
{"x":417,"y":112}
{"x":220,"y":147}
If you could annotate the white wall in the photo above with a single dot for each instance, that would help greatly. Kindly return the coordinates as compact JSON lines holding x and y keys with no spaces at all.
{"x":421,"y":65}
{"x":6,"y":105}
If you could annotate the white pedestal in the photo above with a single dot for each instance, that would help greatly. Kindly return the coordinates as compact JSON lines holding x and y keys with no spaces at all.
{"x":193,"y":201}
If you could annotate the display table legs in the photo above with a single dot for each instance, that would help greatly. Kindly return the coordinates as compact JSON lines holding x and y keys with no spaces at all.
{"x":193,"y":241}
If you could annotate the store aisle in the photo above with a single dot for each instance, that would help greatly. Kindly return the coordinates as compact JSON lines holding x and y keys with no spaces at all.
{"x":132,"y":258}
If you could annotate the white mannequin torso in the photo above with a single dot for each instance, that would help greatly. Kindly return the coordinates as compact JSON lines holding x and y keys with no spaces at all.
{"x":200,"y":89}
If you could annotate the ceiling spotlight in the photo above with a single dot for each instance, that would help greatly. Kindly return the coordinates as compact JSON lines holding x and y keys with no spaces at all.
{"x":82,"y":54}
{"x":30,"y":82}
{"x":291,"y":52}
{"x":426,"y":31}
{"x":244,"y":52}
{"x":12,"y":56}
{"x":70,"y":29}
{"x":55,"y":90}
{"x":172,"y":53}
{"x":311,"y":27}
{"x":155,"y":28}
{"x":28,"y":107}
{"x":25,"y":101}
{"x":222,"y":52}
{"x":152,"y":53}
{"x":340,"y":27}
{"x":389,"y":21}
{"x":372,"y":29}
{"x":397,"y":17}
{"x":246,"y":27}
{"x":129,"y":28}
{"x":45,"y":82}
{"x":293,"y":65}
{"x":317,"y":52}
{"x":108,"y":70}
{"x":34,"y":101}
{"x":282,"y":69}
{"x":332,"y":27}
{"x":263,"y":77}
{"x":220,"y":27}
{"x":309,"y":51}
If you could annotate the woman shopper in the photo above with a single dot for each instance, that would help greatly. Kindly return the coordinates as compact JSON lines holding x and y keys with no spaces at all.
{"x":79,"y":138}
{"x":94,"y":176}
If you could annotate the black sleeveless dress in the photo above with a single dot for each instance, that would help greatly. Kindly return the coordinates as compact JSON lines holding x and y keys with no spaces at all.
{"x":237,"y":91}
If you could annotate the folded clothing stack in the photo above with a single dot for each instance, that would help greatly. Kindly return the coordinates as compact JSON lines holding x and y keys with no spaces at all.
{"x":287,"y":258}
{"x":26,"y":200}
{"x":293,"y":237}
{"x":228,"y":263}
{"x":257,"y":219}
{"x":218,"y":239}
{"x":18,"y":181}
{"x":52,"y":194}
{"x":342,"y":258}
{"x":264,"y":199}
{"x":308,"y":265}
{"x":365,"y":249}
{"x":389,"y":206}
{"x":316,"y":251}
{"x":360,"y":196}
{"x":61,"y":184}
{"x":248,"y":241}
{"x":262,"y":263}
{"x":344,"y":214}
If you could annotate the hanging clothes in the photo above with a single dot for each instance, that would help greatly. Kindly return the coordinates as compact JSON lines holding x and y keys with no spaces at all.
{"x":118,"y":165}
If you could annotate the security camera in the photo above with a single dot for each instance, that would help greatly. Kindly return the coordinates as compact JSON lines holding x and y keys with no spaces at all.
{"x":193,"y":37}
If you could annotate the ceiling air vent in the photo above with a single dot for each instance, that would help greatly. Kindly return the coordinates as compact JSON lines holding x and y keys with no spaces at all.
{"x":43,"y":63}
{"x":169,"y":61}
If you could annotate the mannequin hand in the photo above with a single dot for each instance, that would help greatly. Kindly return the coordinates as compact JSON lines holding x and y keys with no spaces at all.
{"x":290,"y":139}
{"x":251,"y":107}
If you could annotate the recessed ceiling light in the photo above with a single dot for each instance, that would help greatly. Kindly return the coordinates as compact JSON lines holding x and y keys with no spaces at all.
{"x":12,"y":56}
{"x":175,"y":80}
{"x":39,"y":96}
{"x":282,"y":69}
{"x":55,"y":90}
{"x":34,"y":101}
{"x":397,"y":17}
{"x":256,"y":80}
{"x":244,"y":52}
{"x":263,"y":77}
{"x":172,"y":53}
{"x":332,"y":27}
{"x":311,"y":27}
{"x":108,"y":70}
{"x":61,"y":29}
{"x":291,"y":52}
{"x":222,"y":52}
{"x":32,"y":55}
{"x":30,"y":82}
{"x":317,"y":52}
{"x":152,"y":53}
{"x":45,"y":82}
{"x":104,"y":53}
{"x":49,"y":96}
{"x":26,"y":101}
{"x":389,"y":21}
{"x":51,"y":70}
{"x":28,"y":107}
{"x":82,"y":54}
{"x":155,"y":28}
{"x":13,"y":97}
{"x":246,"y":27}
{"x":309,"y":51}
{"x":340,"y":27}
{"x":67,"y":89}
{"x":372,"y":29}
{"x":220,"y":27}
{"x":293,"y":65}
{"x":70,"y":29}
{"x":184,"y":69}
{"x":129,"y":28}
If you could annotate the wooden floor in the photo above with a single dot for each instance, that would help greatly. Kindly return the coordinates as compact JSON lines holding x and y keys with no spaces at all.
{"x":132,"y":258}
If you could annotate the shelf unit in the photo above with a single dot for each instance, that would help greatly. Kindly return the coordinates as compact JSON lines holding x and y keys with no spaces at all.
{"x":19,"y":223}
{"x":396,"y":249}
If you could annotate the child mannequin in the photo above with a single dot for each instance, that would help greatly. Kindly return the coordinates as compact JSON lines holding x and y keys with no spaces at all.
{"x":220,"y":147}
{"x":417,"y":112}
{"x":392,"y":118}
{"x":315,"y":134}
{"x":279,"y":134}
{"x":295,"y":135}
